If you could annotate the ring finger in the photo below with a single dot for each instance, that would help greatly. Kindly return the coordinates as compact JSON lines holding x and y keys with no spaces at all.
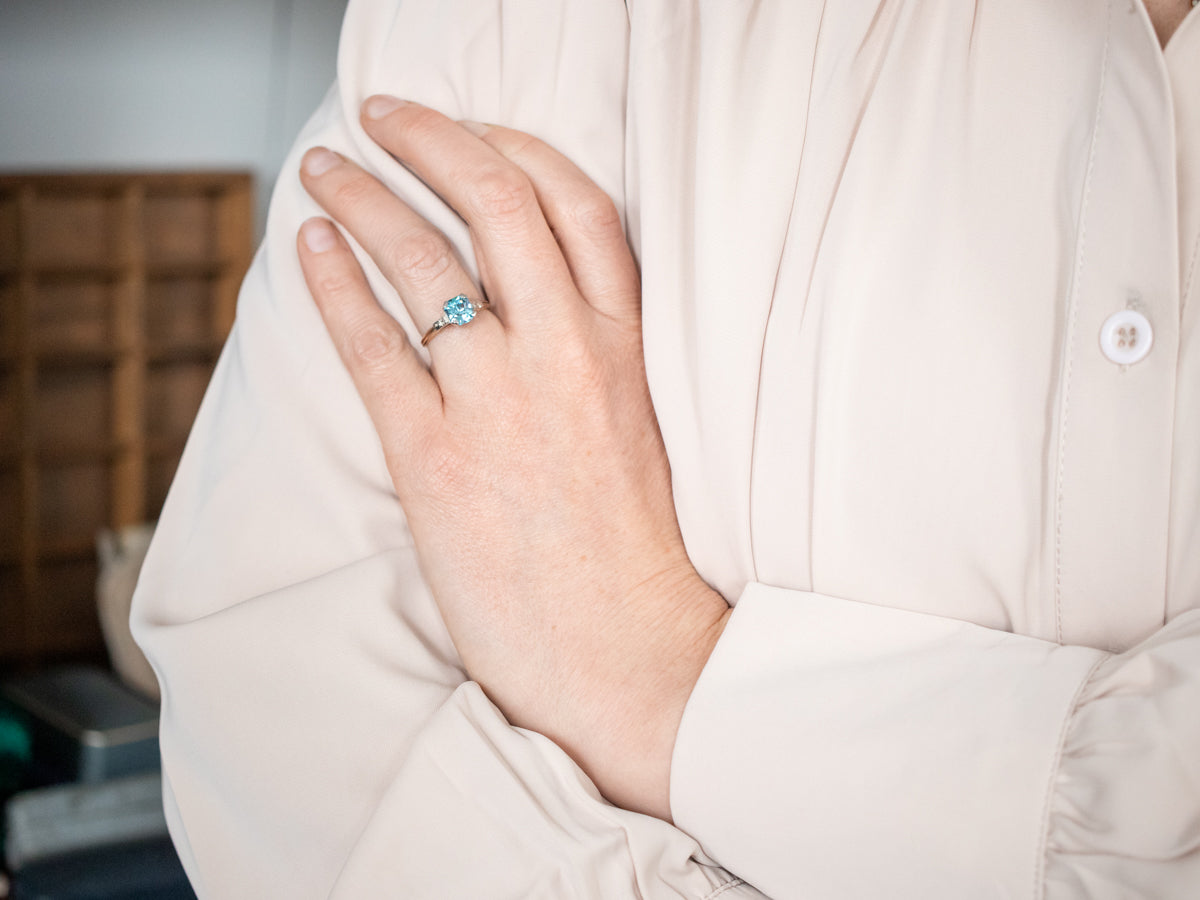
{"x":415,"y":257}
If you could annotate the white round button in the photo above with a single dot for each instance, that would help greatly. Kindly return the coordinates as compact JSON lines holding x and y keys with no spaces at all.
{"x":1126,"y":336}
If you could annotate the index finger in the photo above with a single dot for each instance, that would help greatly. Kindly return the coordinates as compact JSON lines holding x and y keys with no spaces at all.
{"x":399,"y":393}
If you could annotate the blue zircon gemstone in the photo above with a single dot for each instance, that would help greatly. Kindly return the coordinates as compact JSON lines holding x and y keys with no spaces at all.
{"x":458,"y":310}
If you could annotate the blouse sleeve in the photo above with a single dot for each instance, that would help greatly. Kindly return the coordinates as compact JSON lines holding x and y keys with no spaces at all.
{"x":834,"y":748}
{"x":318,"y":736}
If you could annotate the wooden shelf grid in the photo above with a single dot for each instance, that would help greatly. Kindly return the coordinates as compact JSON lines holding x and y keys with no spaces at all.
{"x":117,"y":291}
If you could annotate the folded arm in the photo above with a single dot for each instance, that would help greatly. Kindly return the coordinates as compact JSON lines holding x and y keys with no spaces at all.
{"x":834,"y":748}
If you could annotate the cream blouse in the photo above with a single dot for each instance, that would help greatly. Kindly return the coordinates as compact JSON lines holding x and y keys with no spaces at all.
{"x":922,"y":327}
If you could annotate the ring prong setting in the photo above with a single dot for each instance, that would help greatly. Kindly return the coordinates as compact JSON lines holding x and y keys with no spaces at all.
{"x":458,"y":310}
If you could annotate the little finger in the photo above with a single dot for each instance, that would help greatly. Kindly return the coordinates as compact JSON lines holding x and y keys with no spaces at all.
{"x":583,"y":218}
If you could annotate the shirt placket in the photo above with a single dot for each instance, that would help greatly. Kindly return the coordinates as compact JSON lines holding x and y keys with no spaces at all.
{"x":1183,"y":578}
{"x":1116,"y":399}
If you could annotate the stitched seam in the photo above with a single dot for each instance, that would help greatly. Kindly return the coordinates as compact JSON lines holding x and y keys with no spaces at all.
{"x":1039,"y":860}
{"x":1069,"y":343}
{"x":1191,"y":271}
{"x":727,"y":886}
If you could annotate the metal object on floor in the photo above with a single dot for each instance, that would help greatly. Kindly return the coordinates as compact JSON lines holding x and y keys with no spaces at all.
{"x":56,"y":821}
{"x":86,"y":725}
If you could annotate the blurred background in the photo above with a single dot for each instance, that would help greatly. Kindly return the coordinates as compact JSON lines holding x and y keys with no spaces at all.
{"x":139,"y":140}
{"x":162,"y":84}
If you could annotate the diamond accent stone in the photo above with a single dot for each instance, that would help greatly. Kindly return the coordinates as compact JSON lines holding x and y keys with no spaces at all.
{"x":458,"y":310}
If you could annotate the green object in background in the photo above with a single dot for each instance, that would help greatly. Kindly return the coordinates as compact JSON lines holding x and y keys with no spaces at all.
{"x":16,"y":754}
{"x":16,"y":750}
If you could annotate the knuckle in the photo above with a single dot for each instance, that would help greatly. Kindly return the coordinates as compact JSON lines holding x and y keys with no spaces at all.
{"x":595,"y":213}
{"x":372,"y":347}
{"x":516,"y":145}
{"x":423,"y":125}
{"x":502,"y":192}
{"x":581,"y":366}
{"x":422,"y":256}
{"x":333,"y":283}
{"x":351,"y":192}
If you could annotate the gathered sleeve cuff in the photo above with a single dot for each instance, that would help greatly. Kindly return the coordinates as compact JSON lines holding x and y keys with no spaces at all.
{"x":1125,"y":810}
{"x":835,"y":748}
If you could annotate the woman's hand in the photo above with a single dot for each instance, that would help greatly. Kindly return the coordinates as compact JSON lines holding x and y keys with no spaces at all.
{"x":527,"y":456}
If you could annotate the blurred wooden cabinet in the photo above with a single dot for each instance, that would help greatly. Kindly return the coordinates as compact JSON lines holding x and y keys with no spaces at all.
{"x":116,"y":294}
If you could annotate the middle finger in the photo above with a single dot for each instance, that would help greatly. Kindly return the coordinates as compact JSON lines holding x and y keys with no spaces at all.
{"x":520,"y":261}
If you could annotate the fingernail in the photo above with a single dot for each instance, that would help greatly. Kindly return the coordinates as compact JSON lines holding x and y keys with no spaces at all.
{"x":318,"y":235}
{"x":381,"y":104}
{"x":318,"y":161}
{"x":479,"y":129}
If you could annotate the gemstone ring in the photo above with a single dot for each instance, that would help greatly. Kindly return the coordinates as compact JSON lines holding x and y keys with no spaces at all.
{"x":458,"y":310}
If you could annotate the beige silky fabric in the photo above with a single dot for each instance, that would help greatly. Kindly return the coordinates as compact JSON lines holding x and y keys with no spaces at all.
{"x":879,"y":242}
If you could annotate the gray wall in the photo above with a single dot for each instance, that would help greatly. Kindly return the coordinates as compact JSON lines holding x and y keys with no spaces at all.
{"x":163,"y":84}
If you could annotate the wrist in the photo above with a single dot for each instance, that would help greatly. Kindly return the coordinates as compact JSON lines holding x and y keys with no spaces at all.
{"x":629,"y":716}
